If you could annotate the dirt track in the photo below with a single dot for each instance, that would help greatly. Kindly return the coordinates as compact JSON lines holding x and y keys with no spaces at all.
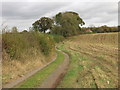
{"x":54,"y":79}
{"x":14,"y":83}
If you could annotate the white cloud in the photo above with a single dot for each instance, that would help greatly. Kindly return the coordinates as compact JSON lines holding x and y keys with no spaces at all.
{"x":61,"y":0}
{"x":23,"y":14}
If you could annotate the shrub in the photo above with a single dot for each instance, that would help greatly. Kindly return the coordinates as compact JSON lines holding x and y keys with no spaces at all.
{"x":57,"y":38}
{"x":17,"y":44}
{"x":46,"y":43}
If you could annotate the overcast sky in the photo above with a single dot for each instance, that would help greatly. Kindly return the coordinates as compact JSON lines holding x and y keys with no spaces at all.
{"x":23,"y":14}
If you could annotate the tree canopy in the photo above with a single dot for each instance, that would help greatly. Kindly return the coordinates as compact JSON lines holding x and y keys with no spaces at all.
{"x":67,"y":23}
{"x":63,"y":23}
{"x":43,"y":24}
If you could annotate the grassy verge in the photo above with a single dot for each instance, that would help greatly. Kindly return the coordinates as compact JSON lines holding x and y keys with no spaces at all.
{"x":70,"y":78}
{"x":76,"y":70}
{"x":23,"y":52}
{"x":35,"y":80}
{"x":75,"y":77}
{"x":93,"y":61}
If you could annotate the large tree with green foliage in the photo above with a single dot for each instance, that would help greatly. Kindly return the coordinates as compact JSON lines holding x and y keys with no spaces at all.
{"x":43,"y":24}
{"x":67,"y":24}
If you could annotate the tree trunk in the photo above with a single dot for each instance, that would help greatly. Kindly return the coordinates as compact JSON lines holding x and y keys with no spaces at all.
{"x":44,"y":31}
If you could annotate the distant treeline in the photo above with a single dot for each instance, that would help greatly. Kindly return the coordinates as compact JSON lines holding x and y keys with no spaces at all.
{"x":101,"y":29}
{"x":65,"y":24}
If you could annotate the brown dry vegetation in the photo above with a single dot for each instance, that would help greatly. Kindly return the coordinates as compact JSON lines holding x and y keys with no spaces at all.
{"x":13,"y":69}
{"x":95,"y":59}
{"x":22,"y":53}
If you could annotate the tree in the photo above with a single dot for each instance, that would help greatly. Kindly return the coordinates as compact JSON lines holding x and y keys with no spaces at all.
{"x":57,"y":30}
{"x":69,"y":23}
{"x":103,"y":29}
{"x":43,"y":24}
{"x":25,"y":31}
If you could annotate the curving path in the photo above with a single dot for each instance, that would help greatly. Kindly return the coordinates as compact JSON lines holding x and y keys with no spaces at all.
{"x":16,"y":82}
{"x":54,"y":79}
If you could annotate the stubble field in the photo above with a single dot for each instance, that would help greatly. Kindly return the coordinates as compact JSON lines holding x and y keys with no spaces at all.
{"x":93,"y":61}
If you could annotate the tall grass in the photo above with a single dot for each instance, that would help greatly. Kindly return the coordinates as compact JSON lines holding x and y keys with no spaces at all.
{"x":23,"y":52}
{"x":15,"y":44}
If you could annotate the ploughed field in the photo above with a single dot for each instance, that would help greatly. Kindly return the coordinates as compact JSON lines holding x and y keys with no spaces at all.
{"x":93,"y":61}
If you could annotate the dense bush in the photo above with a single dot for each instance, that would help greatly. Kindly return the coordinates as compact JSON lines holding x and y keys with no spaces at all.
{"x":57,"y":38}
{"x":15,"y":44}
{"x":46,"y":43}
